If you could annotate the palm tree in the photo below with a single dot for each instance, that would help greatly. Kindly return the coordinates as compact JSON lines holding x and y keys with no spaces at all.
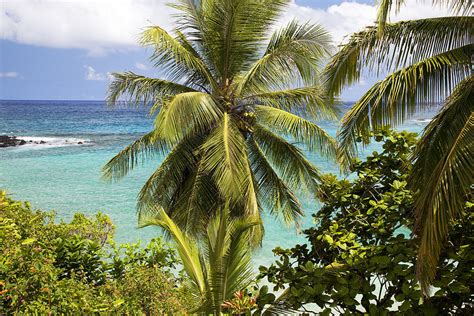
{"x":231,"y":102}
{"x":217,"y":263}
{"x":431,"y":60}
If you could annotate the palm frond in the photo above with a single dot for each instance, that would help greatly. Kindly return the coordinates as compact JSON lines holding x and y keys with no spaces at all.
{"x":201,"y":196}
{"x":385,"y":6}
{"x":297,"y":172}
{"x":251,"y":206}
{"x":310,"y":101}
{"x":186,"y":111}
{"x":139,"y":89}
{"x":163,"y":185}
{"x":383,"y":12}
{"x":189,"y":19}
{"x":235,"y":30}
{"x":302,"y":130}
{"x":443,"y":175}
{"x":401,"y":44}
{"x":144,"y":148}
{"x":176,"y":60}
{"x":273,"y":191}
{"x":186,"y":246}
{"x":192,"y":202}
{"x":238,"y":269}
{"x":218,"y":264}
{"x":187,"y":44}
{"x":457,"y":7}
{"x":225,"y":157}
{"x":215,"y":242}
{"x":403,"y":93}
{"x":294,"y":51}
{"x":195,"y":78}
{"x":228,"y":254}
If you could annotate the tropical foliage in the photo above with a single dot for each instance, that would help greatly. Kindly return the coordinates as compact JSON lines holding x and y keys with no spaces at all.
{"x":430,"y":61}
{"x":232,"y":102}
{"x":74,"y":268}
{"x":360,"y":258}
{"x":217,"y":264}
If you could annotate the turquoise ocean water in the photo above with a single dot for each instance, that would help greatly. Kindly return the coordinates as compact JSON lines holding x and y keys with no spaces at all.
{"x":65,"y":176}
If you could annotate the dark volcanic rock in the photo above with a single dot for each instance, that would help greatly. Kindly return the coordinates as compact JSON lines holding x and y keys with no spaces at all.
{"x":80,"y":143}
{"x":10,"y":141}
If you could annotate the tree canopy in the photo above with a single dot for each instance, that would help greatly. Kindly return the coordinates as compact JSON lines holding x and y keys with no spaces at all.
{"x":233,"y":102}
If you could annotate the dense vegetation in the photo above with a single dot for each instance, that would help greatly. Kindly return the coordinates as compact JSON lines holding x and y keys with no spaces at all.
{"x":361,"y":257}
{"x":71,"y":268}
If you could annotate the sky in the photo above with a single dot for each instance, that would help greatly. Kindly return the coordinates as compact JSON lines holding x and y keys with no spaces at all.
{"x":66,"y":49}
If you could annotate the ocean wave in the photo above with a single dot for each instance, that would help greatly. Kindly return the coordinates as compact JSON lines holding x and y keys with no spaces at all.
{"x":39,"y":142}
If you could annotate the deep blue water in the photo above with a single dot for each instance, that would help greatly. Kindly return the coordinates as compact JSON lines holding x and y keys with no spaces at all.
{"x":65,"y":176}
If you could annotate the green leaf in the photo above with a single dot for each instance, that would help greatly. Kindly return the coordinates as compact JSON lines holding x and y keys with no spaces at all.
{"x":329,"y":239}
{"x":400,"y":297}
{"x":119,"y":302}
{"x":406,"y":305}
{"x":406,"y":288}
{"x":28,"y":241}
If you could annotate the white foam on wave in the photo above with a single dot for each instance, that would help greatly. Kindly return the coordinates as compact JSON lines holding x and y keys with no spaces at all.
{"x":34,"y":142}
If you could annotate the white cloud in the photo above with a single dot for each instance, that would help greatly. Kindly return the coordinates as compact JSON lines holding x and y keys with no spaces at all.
{"x":93,"y":75}
{"x":99,"y":26}
{"x":141,"y":66}
{"x":95,"y":25}
{"x":8,"y":74}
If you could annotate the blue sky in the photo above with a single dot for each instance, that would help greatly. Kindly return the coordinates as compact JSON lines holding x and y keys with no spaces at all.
{"x":65,"y":49}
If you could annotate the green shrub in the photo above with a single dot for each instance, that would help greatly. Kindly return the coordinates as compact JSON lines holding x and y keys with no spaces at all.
{"x":360,"y":257}
{"x":149,"y":290}
{"x":67,"y":268}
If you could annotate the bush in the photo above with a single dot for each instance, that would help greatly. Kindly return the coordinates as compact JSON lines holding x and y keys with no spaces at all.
{"x":75,"y":267}
{"x":360,"y":258}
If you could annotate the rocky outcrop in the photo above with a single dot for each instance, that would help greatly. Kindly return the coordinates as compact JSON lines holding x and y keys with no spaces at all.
{"x":51,"y":142}
{"x":10,"y":141}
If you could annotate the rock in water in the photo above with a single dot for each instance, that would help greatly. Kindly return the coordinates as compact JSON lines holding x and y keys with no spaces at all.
{"x":10,"y":141}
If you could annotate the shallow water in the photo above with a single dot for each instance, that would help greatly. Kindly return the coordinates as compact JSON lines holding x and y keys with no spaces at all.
{"x":65,"y":176}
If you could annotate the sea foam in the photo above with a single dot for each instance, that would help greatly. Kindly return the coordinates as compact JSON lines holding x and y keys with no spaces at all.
{"x":41,"y":142}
